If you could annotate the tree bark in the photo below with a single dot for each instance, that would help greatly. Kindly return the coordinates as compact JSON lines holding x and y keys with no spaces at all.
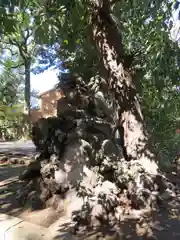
{"x":27,"y":89}
{"x":108,"y":41}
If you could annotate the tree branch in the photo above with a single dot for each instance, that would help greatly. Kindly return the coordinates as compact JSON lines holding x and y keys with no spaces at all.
{"x":18,"y":65}
{"x":9,"y":49}
{"x":18,"y":45}
{"x":13,"y":42}
{"x":28,"y":35}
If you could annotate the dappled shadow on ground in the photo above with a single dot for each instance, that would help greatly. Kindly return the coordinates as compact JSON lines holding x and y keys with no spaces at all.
{"x":162,"y":224}
{"x":159,"y":226}
{"x":8,"y":171}
{"x":9,"y":187}
{"x":8,"y":201}
{"x":22,"y":199}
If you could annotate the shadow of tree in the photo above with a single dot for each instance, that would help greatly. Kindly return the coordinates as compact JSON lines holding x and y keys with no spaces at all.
{"x":156,"y":226}
{"x":11,"y":189}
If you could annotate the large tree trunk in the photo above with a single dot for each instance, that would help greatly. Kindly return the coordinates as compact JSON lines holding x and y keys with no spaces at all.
{"x":81,"y":167}
{"x":108,"y":42}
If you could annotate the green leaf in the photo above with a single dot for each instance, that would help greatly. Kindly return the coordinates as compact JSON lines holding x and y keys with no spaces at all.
{"x":66,"y":42}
